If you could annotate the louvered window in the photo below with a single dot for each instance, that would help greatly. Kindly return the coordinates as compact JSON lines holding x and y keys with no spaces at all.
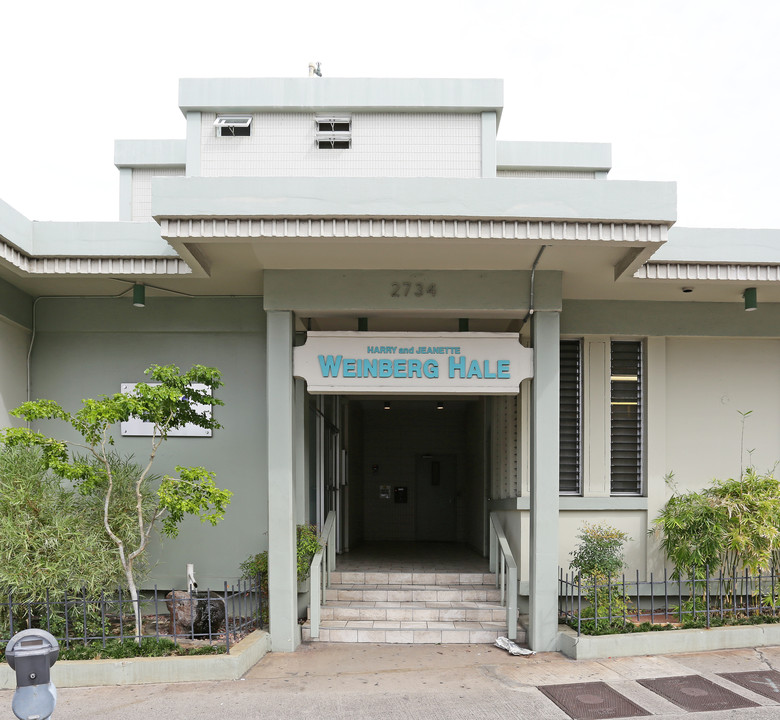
{"x":571,"y":418}
{"x":334,"y":133}
{"x":626,"y":418}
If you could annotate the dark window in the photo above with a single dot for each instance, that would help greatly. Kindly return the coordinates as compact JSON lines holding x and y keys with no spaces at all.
{"x":329,"y":126}
{"x":626,"y":418}
{"x":234,"y":130}
{"x":333,"y":144}
{"x":570,"y":473}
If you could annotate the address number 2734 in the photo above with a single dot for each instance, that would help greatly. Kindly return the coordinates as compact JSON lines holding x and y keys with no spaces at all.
{"x":405,"y":289}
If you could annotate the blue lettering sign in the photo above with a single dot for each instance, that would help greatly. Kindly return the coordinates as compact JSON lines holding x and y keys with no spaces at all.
{"x":329,"y":366}
{"x":399,"y":368}
{"x":458,"y":364}
{"x":431,"y":369}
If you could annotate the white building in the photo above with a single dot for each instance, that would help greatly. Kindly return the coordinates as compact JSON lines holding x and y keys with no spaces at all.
{"x":581,"y":347}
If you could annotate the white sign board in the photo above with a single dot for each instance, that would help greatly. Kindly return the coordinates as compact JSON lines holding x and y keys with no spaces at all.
{"x":414,"y":363}
{"x":135,"y":428}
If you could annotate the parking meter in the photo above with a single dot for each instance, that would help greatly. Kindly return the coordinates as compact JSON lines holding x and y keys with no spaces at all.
{"x":31,"y":653}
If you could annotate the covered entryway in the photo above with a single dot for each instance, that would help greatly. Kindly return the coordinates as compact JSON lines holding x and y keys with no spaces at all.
{"x":417,"y":470}
{"x":336,"y":365}
{"x":412,"y":520}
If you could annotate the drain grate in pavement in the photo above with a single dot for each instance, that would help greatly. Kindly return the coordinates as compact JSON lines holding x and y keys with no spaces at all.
{"x":592,"y":701}
{"x":696,"y":694}
{"x":763,"y":682}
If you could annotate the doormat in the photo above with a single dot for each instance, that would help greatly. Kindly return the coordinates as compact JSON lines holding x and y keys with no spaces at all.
{"x":696,"y":694}
{"x":592,"y":701}
{"x":763,"y":682}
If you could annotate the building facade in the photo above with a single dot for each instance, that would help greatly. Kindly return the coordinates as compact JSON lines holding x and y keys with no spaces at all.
{"x":418,"y":325}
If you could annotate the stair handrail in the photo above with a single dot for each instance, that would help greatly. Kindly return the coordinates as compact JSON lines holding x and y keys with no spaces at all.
{"x":502,"y":563}
{"x":322,"y":564}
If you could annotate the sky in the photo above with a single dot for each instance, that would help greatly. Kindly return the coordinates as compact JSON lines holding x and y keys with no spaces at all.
{"x":684,"y":90}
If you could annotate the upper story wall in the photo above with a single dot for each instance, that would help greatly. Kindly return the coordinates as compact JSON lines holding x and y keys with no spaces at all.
{"x":382,"y":144}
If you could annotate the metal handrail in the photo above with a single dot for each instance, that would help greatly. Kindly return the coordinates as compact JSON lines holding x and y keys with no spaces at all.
{"x":502,"y":563}
{"x":322,"y":564}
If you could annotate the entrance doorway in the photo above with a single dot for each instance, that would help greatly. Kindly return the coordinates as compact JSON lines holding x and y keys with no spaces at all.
{"x":416,"y":471}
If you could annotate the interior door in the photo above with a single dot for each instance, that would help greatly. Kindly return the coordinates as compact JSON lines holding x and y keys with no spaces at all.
{"x":436,"y":498}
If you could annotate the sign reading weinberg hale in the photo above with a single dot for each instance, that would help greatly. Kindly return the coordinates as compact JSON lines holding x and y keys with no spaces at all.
{"x":414,"y":363}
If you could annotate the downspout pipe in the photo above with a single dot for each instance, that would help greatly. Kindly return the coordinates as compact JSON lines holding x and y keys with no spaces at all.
{"x":531,"y":300}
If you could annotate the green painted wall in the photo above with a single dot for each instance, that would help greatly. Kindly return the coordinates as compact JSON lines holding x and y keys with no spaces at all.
{"x":15,"y":305}
{"x":14,"y":342}
{"x":695,"y":319}
{"x":84,"y":348}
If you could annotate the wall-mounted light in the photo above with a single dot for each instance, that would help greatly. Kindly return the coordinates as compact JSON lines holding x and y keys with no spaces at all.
{"x":440,"y":405}
{"x":387,"y":405}
{"x":751,"y":299}
{"x":139,"y":296}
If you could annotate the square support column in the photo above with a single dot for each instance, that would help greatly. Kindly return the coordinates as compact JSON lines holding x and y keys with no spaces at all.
{"x":282,"y":555}
{"x":299,"y":449}
{"x":545,"y":440}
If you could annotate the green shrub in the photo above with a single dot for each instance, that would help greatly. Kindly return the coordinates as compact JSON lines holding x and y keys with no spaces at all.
{"x":308,"y":544}
{"x":597,"y":559}
{"x":732,"y":524}
{"x":48,"y":542}
{"x":256,"y":566}
{"x":600,"y":552}
{"x":54,"y":544}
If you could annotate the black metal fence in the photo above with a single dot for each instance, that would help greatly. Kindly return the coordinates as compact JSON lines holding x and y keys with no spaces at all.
{"x":219,"y":618}
{"x":703,"y":597}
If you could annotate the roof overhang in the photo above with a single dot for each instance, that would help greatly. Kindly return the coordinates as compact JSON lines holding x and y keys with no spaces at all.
{"x":244,"y":95}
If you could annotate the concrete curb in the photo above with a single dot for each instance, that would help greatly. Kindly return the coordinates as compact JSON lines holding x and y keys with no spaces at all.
{"x":137,"y":671}
{"x":665,"y":642}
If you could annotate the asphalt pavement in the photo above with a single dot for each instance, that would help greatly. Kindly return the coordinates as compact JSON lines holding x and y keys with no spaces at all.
{"x":425,"y":682}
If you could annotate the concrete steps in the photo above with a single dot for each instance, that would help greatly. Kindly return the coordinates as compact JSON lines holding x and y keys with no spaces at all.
{"x":400,"y":607}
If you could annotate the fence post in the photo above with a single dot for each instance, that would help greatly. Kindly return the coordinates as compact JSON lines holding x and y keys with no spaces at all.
{"x":121,"y":613}
{"x":652,"y":600}
{"x":624,"y":599}
{"x":666,"y":595}
{"x":103,"y":616}
{"x":227,"y":622}
{"x":638,"y":618}
{"x":579,"y":604}
{"x":67,"y":627}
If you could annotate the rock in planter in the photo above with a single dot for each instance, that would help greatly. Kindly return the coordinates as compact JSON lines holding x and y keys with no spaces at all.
{"x":195,"y":612}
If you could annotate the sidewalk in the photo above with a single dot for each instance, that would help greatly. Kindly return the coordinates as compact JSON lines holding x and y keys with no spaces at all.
{"x":363,"y":682}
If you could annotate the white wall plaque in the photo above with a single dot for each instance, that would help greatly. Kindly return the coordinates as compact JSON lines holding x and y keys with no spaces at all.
{"x":136,"y":428}
{"x":416,"y":363}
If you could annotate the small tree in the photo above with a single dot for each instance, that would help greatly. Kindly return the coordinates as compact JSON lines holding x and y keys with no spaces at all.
{"x":167,"y":404}
{"x":597,"y":558}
